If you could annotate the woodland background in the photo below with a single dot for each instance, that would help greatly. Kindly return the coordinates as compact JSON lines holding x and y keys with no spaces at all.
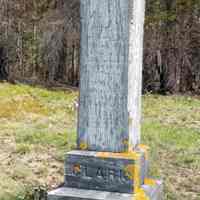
{"x":39,"y":44}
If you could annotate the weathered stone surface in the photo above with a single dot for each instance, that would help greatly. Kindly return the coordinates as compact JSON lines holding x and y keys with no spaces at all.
{"x":103,"y":112}
{"x":101,"y":171}
{"x":66,"y":193}
{"x":154,"y":192}
{"x":136,"y":28}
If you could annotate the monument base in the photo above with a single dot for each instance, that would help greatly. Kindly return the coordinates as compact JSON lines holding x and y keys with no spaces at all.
{"x":93,"y":175}
{"x":105,"y":171}
{"x":147,"y":192}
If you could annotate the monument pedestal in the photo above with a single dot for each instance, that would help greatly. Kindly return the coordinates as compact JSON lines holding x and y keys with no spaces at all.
{"x":106,"y":175}
{"x":105,"y":171}
{"x":66,"y":193}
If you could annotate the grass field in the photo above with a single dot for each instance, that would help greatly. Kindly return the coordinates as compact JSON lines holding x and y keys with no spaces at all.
{"x":38,"y":126}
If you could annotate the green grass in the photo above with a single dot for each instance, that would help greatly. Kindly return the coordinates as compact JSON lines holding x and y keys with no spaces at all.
{"x":38,"y":126}
{"x":171,"y":127}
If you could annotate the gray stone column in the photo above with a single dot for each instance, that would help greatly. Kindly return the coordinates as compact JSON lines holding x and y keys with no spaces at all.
{"x":103,"y":113}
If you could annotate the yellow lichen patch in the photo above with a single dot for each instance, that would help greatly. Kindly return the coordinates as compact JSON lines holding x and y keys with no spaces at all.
{"x":130,"y":146}
{"x":132,"y":171}
{"x":129,"y":171}
{"x":126,"y":155}
{"x":140,"y":195}
{"x":77,"y":168}
{"x":125,"y":142}
{"x":145,"y":149}
{"x":83,"y":146}
{"x":148,"y":181}
{"x":136,"y":177}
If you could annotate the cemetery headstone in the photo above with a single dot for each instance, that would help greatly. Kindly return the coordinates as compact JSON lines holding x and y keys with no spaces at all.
{"x":109,"y":162}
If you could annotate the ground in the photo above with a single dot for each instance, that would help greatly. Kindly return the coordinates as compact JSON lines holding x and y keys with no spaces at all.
{"x":38,"y":126}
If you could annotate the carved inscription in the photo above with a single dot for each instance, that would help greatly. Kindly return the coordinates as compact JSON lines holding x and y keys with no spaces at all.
{"x":94,"y":171}
{"x":102,"y":173}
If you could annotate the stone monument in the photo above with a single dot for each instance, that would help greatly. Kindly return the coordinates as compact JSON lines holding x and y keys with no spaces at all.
{"x":109,"y":162}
